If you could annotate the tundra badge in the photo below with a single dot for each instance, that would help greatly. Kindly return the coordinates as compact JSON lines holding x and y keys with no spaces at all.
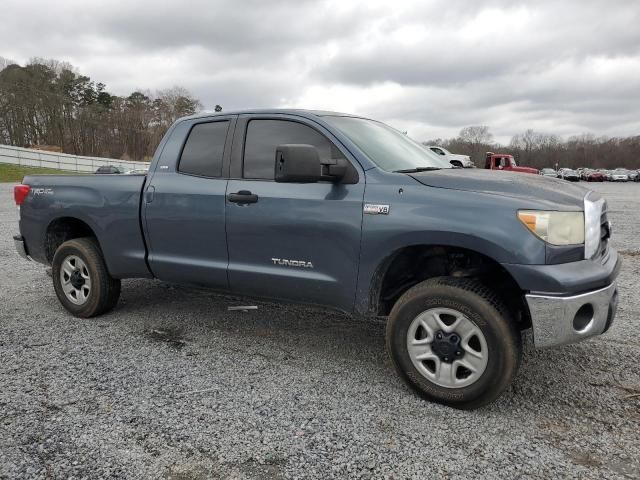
{"x":375,"y":209}
{"x":292,"y":263}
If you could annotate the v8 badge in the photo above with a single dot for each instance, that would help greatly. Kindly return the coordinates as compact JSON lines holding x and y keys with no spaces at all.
{"x":376,"y":209}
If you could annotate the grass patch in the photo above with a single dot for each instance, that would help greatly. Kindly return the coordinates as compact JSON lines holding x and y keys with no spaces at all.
{"x":15,"y":173}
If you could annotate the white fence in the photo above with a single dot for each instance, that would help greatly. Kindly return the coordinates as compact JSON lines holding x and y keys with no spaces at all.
{"x":61,"y":161}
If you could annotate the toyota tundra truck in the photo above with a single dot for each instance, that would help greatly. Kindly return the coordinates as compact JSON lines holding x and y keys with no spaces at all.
{"x":344,"y":212}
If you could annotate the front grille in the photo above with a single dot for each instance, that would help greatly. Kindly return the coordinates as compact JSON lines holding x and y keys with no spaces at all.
{"x":605,"y":234}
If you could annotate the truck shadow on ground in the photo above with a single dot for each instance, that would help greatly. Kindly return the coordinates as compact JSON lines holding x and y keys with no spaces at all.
{"x":194,"y":320}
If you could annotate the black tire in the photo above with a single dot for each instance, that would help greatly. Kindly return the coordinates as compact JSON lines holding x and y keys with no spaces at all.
{"x":480,"y":305}
{"x":105,"y":290}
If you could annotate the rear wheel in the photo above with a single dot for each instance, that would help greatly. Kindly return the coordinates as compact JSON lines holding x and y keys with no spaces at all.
{"x":81,"y":280}
{"x":453,"y":342}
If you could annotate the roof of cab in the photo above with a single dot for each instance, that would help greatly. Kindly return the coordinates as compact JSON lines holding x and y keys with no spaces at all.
{"x":291,"y":111}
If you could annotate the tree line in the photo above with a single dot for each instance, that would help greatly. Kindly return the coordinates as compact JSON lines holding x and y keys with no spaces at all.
{"x":48,"y":104}
{"x":545,"y":150}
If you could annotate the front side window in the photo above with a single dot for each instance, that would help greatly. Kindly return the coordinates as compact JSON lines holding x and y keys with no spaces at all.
{"x":264,"y":136}
{"x":202,"y":153}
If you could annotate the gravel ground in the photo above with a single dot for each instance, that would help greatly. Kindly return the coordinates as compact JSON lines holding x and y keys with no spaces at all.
{"x":172,"y":385}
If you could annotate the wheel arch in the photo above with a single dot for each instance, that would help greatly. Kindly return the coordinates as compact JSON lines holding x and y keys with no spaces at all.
{"x":409,"y":265}
{"x":64,"y":228}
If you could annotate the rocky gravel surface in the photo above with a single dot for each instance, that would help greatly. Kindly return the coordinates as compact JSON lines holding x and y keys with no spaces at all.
{"x":172,"y":385}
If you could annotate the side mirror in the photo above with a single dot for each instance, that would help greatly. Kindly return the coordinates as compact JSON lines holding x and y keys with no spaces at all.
{"x":297,"y":163}
{"x":300,"y":163}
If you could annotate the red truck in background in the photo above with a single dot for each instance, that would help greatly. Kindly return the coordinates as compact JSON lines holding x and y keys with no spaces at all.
{"x":504,"y":161}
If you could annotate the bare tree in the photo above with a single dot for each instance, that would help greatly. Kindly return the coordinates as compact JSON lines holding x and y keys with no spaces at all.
{"x":476,"y":134}
{"x":5,"y":62}
{"x":477,"y":139}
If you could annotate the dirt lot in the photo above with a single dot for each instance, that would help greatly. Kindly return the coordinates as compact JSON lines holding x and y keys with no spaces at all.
{"x":172,"y":385}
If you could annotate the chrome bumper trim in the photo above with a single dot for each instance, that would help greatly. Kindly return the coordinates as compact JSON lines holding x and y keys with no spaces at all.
{"x":552,"y":317}
{"x":18,"y":242}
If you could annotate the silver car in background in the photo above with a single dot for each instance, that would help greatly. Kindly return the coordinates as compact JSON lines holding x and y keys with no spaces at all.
{"x":619,"y":175}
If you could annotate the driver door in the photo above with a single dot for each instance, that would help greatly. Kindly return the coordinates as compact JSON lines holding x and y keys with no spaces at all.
{"x":296,"y":241}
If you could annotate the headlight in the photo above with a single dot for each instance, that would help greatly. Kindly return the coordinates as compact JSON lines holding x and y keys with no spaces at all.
{"x":592,"y":214}
{"x":556,"y":228}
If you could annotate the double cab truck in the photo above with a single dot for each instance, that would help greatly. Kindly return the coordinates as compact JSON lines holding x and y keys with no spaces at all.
{"x":345,"y":212}
{"x":505,"y":162}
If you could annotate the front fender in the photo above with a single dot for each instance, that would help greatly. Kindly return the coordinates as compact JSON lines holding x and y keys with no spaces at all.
{"x":429,"y":216}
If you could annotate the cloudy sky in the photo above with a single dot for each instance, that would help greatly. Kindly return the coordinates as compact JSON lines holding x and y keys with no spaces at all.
{"x":429,"y":67}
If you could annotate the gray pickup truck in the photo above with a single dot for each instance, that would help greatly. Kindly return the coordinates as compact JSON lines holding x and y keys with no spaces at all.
{"x":346,"y":212}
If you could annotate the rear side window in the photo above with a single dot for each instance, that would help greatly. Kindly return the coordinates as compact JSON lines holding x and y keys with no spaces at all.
{"x":263,"y":136}
{"x":202,"y":154}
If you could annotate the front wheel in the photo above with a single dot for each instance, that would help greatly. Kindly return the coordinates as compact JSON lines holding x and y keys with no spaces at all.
{"x":452,"y":340}
{"x":81,"y":280}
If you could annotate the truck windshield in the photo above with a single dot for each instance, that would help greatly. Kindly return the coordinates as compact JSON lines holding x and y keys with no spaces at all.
{"x":386,"y":147}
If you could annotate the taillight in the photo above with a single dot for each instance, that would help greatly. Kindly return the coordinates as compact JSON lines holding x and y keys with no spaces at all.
{"x":20,"y":192}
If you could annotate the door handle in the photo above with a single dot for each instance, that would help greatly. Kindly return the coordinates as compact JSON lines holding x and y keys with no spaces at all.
{"x":148,"y":195}
{"x":243,"y":197}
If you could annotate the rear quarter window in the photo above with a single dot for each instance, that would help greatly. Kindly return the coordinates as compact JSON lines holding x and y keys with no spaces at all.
{"x":203,"y":150}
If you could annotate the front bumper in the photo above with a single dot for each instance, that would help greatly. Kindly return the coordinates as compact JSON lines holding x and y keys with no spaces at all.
{"x":562,"y":320}
{"x":21,"y":246}
{"x":567,"y":279}
{"x":555,"y":294}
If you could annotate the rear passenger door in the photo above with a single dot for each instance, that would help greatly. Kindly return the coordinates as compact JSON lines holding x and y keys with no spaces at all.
{"x":296,"y":241}
{"x":184,"y":204}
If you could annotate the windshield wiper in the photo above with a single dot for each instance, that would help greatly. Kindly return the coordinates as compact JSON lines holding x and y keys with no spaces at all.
{"x":417,"y":169}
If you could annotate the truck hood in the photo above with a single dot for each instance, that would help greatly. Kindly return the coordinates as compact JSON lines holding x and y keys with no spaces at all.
{"x":554,"y":193}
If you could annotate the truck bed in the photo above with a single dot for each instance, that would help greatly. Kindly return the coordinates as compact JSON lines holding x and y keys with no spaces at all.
{"x":107,"y":204}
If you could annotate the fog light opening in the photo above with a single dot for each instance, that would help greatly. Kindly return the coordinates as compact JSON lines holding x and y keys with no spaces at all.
{"x":583,"y":319}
